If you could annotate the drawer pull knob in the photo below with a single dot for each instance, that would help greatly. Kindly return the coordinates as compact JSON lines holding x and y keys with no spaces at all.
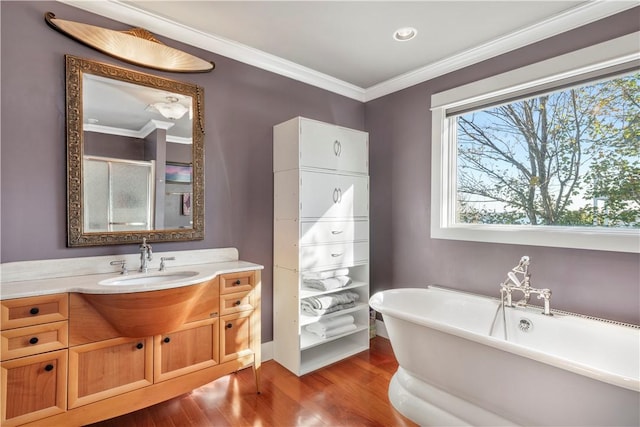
{"x":336,"y":232}
{"x":49,"y":367}
{"x":238,"y":302}
{"x":336,"y":255}
{"x":337,"y":148}
{"x":229,"y":325}
{"x":34,"y":311}
{"x":33,"y":340}
{"x":167,"y":339}
{"x":237,"y":282}
{"x":139,"y":345}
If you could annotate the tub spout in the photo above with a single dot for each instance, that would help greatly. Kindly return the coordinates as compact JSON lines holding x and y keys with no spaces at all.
{"x":513,"y":283}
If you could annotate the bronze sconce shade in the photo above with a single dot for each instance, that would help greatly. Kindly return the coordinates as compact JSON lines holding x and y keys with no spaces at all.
{"x":136,"y":46}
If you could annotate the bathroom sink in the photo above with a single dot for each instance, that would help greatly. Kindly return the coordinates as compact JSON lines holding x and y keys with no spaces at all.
{"x":149,"y":279}
{"x":147,"y":313}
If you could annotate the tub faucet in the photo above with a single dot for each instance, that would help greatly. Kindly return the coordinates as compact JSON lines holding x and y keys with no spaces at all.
{"x":513,"y":283}
{"x":145,"y":255}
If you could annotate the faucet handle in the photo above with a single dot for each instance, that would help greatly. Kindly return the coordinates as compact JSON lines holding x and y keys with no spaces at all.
{"x":121,"y":262}
{"x":163,"y":259}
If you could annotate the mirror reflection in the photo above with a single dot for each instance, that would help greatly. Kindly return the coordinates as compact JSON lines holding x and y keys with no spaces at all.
{"x":139,"y":156}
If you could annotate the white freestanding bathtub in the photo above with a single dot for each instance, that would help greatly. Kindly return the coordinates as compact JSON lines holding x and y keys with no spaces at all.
{"x":457,"y":368}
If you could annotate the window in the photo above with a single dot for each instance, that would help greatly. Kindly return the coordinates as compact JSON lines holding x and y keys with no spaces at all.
{"x":547,"y":155}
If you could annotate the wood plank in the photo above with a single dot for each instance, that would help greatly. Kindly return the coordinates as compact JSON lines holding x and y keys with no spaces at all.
{"x":352,"y":392}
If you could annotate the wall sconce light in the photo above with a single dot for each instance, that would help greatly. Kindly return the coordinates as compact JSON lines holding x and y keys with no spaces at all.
{"x":136,"y":46}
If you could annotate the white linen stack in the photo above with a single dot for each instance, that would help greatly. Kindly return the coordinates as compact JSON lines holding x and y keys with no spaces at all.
{"x":327,"y":280}
{"x":329,"y":303}
{"x":334,"y":326}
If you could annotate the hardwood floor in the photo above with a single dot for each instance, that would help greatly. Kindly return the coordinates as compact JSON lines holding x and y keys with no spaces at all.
{"x":352,"y":392}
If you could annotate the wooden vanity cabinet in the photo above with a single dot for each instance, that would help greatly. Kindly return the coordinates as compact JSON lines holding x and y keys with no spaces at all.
{"x":34,"y":358}
{"x":99,"y":374}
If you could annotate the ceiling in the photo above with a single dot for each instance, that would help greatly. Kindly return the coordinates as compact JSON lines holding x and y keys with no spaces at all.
{"x":347,"y":46}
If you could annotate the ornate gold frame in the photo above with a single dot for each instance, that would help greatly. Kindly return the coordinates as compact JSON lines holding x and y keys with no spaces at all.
{"x":76,"y":236}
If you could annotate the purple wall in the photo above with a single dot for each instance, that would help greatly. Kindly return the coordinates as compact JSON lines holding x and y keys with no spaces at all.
{"x":242,"y":103}
{"x":605,"y":284}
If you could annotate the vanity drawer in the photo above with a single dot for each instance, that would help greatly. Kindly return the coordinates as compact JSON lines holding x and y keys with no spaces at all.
{"x":34,"y":310}
{"x":243,"y":281}
{"x":333,"y":256}
{"x":34,"y":339}
{"x":313,"y":233}
{"x":234,"y":303}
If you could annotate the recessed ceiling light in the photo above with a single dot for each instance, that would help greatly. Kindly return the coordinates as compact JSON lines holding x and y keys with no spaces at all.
{"x":405,"y":34}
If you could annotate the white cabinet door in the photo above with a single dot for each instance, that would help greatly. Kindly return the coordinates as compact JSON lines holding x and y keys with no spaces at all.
{"x":325,"y":195}
{"x":332,"y":147}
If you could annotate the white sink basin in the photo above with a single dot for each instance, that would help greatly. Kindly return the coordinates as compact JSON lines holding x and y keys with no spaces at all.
{"x":149,"y":279}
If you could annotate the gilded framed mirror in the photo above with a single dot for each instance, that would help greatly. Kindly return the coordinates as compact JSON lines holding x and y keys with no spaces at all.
{"x":135,"y":156}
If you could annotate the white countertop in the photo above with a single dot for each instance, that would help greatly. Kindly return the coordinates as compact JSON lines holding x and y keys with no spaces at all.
{"x":35,"y":278}
{"x":90,"y":284}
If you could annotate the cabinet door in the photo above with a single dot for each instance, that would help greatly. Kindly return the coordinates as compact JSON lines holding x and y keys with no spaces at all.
{"x":107,"y":368}
{"x":324,"y":195}
{"x":333,"y":147}
{"x":34,"y":387}
{"x":236,"y":336}
{"x":194,"y":346}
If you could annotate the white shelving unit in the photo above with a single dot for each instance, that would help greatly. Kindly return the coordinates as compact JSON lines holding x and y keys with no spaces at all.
{"x":321,"y":222}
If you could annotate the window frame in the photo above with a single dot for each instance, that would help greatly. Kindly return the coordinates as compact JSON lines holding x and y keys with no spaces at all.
{"x":600,"y":59}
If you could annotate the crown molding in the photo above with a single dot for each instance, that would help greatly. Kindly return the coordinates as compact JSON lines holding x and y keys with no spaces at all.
{"x":573,"y":18}
{"x":568,"y":20}
{"x":142,"y":133}
{"x":127,"y":14}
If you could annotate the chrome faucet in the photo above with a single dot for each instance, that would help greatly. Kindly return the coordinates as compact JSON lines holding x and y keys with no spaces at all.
{"x":145,"y":255}
{"x":523,"y":285}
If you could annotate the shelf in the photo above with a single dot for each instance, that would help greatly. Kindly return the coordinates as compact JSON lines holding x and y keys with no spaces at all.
{"x":309,"y":340}
{"x":313,"y":233}
{"x":308,"y":292}
{"x":306,"y":319}
{"x":333,"y":351}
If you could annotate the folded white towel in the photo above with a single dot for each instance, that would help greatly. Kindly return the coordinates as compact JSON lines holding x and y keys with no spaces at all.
{"x":329,"y":300}
{"x":327,"y":284}
{"x":335,"y":331}
{"x":325,"y":325}
{"x":325,"y":304}
{"x":308,"y":309}
{"x":319,"y":275}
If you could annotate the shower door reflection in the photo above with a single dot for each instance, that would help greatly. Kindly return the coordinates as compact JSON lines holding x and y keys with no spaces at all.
{"x":117,"y":194}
